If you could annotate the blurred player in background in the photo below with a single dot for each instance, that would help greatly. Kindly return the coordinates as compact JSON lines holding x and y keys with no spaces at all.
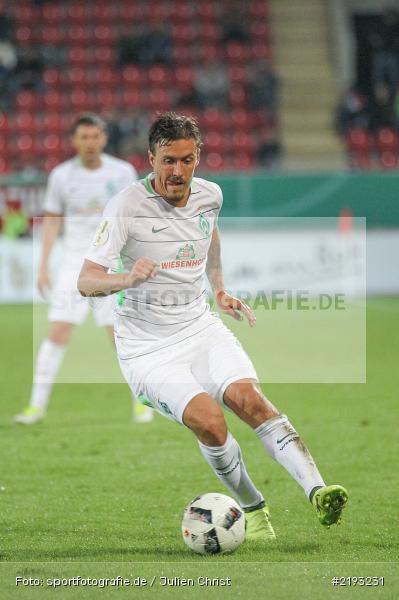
{"x":171,"y":348}
{"x":77,"y":192}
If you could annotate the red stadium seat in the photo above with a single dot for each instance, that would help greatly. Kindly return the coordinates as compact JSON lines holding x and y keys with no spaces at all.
{"x":3,"y":145}
{"x":52,"y":122}
{"x":26,"y":14}
{"x":23,"y":34}
{"x":159,"y":75}
{"x":50,"y":163}
{"x":51,"y":77}
{"x":359,"y":140}
{"x":134,"y":76}
{"x":237,"y":52}
{"x":207,"y":11}
{"x":25,"y":123}
{"x":105,"y":34}
{"x":209,"y":33}
{"x":25,"y":143}
{"x":215,"y":161}
{"x":104,"y":54}
{"x":159,"y":100}
{"x":261,"y":50}
{"x":79,"y":100}
{"x":259,"y":31}
{"x":237,"y":74}
{"x":242,"y":161}
{"x":3,"y":123}
{"x":139,"y":161}
{"x":388,"y":160}
{"x":214,"y":119}
{"x":360,"y":160}
{"x":77,"y":13}
{"x":53,"y":13}
{"x":79,"y":56}
{"x":259,"y":10}
{"x":182,"y":54}
{"x":214,"y":142}
{"x":387,"y":139}
{"x":27,"y":100}
{"x":237,"y":96}
{"x":51,"y":143}
{"x":184,"y":34}
{"x":51,"y":34}
{"x":53,"y":100}
{"x":241,"y":141}
{"x":240,"y":119}
{"x":4,"y":166}
{"x":104,"y":13}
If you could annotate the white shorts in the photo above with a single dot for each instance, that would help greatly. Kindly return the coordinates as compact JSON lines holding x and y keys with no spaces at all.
{"x":169,"y":378}
{"x":68,"y":306}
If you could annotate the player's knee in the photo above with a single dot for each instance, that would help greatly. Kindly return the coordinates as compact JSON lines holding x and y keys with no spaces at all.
{"x":209,"y":426}
{"x":251,"y":405}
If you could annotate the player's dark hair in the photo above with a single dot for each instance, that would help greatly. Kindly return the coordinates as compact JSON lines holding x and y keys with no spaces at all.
{"x":170,"y":127}
{"x":89,"y":119}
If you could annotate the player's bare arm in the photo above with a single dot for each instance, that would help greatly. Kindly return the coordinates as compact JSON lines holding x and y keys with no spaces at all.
{"x":227,"y":303}
{"x":51,"y":230}
{"x":95,"y":281}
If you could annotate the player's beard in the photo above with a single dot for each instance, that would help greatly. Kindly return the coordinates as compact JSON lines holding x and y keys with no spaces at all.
{"x":176,"y":195}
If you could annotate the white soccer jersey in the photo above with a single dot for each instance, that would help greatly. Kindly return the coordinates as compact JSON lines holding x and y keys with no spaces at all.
{"x":80,"y":195}
{"x":138,"y":223}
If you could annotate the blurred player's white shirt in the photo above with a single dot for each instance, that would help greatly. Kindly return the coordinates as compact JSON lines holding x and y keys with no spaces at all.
{"x":80,"y":195}
{"x":140,"y":223}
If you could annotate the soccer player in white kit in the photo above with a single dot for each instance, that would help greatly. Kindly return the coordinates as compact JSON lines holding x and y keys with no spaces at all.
{"x":77,"y":191}
{"x":172,"y":350}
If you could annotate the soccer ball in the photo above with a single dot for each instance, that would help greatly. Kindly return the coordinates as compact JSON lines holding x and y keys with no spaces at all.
{"x":213,"y":524}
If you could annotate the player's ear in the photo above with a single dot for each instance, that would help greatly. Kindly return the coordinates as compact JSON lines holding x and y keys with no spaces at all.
{"x":151,"y":158}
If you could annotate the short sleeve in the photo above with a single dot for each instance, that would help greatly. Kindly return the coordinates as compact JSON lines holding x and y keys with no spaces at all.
{"x":53,"y":200}
{"x":111,"y":235}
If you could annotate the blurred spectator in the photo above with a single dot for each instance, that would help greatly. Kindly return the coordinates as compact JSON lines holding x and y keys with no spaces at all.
{"x":8,"y":63}
{"x":262,"y":86}
{"x":268,"y":152}
{"x":385,"y":51}
{"x":133,"y":128}
{"x":234,"y":21}
{"x":15,"y":220}
{"x":382,"y":108}
{"x":5,"y":24}
{"x":352,"y":111}
{"x":29,"y":69}
{"x":152,"y":47}
{"x":211,"y":85}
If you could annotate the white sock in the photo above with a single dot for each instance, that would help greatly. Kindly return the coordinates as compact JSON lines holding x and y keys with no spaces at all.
{"x":48,"y":362}
{"x":286,"y":447}
{"x":228,"y":466}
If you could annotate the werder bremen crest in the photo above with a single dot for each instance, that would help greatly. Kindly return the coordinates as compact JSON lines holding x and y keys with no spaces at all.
{"x":204,"y":224}
{"x":186,"y":251}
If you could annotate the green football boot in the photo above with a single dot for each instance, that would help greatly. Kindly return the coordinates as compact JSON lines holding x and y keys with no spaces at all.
{"x":329,"y":502}
{"x":30,"y":416}
{"x":258,"y":525}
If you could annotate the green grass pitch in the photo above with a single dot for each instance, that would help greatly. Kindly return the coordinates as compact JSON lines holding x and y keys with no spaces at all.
{"x":88,"y":493}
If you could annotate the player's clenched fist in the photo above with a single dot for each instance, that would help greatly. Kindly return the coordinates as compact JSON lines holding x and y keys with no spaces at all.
{"x":144,"y":268}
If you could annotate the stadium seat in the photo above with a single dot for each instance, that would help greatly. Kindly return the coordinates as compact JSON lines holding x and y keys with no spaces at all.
{"x":23,"y":34}
{"x":242,"y":161}
{"x":53,"y":13}
{"x":207,"y":11}
{"x":51,"y":143}
{"x":159,"y":75}
{"x":237,"y":52}
{"x":51,"y":77}
{"x":215,"y":161}
{"x":184,"y":34}
{"x":240,"y":119}
{"x":388,"y":160}
{"x":237,"y":96}
{"x":25,"y":123}
{"x":27,"y":100}
{"x":77,"y":13}
{"x":134,"y":75}
{"x":359,"y":140}
{"x":360,"y":160}
{"x":241,"y":141}
{"x":213,"y":119}
{"x":214,"y":142}
{"x":3,"y":123}
{"x":387,"y":139}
